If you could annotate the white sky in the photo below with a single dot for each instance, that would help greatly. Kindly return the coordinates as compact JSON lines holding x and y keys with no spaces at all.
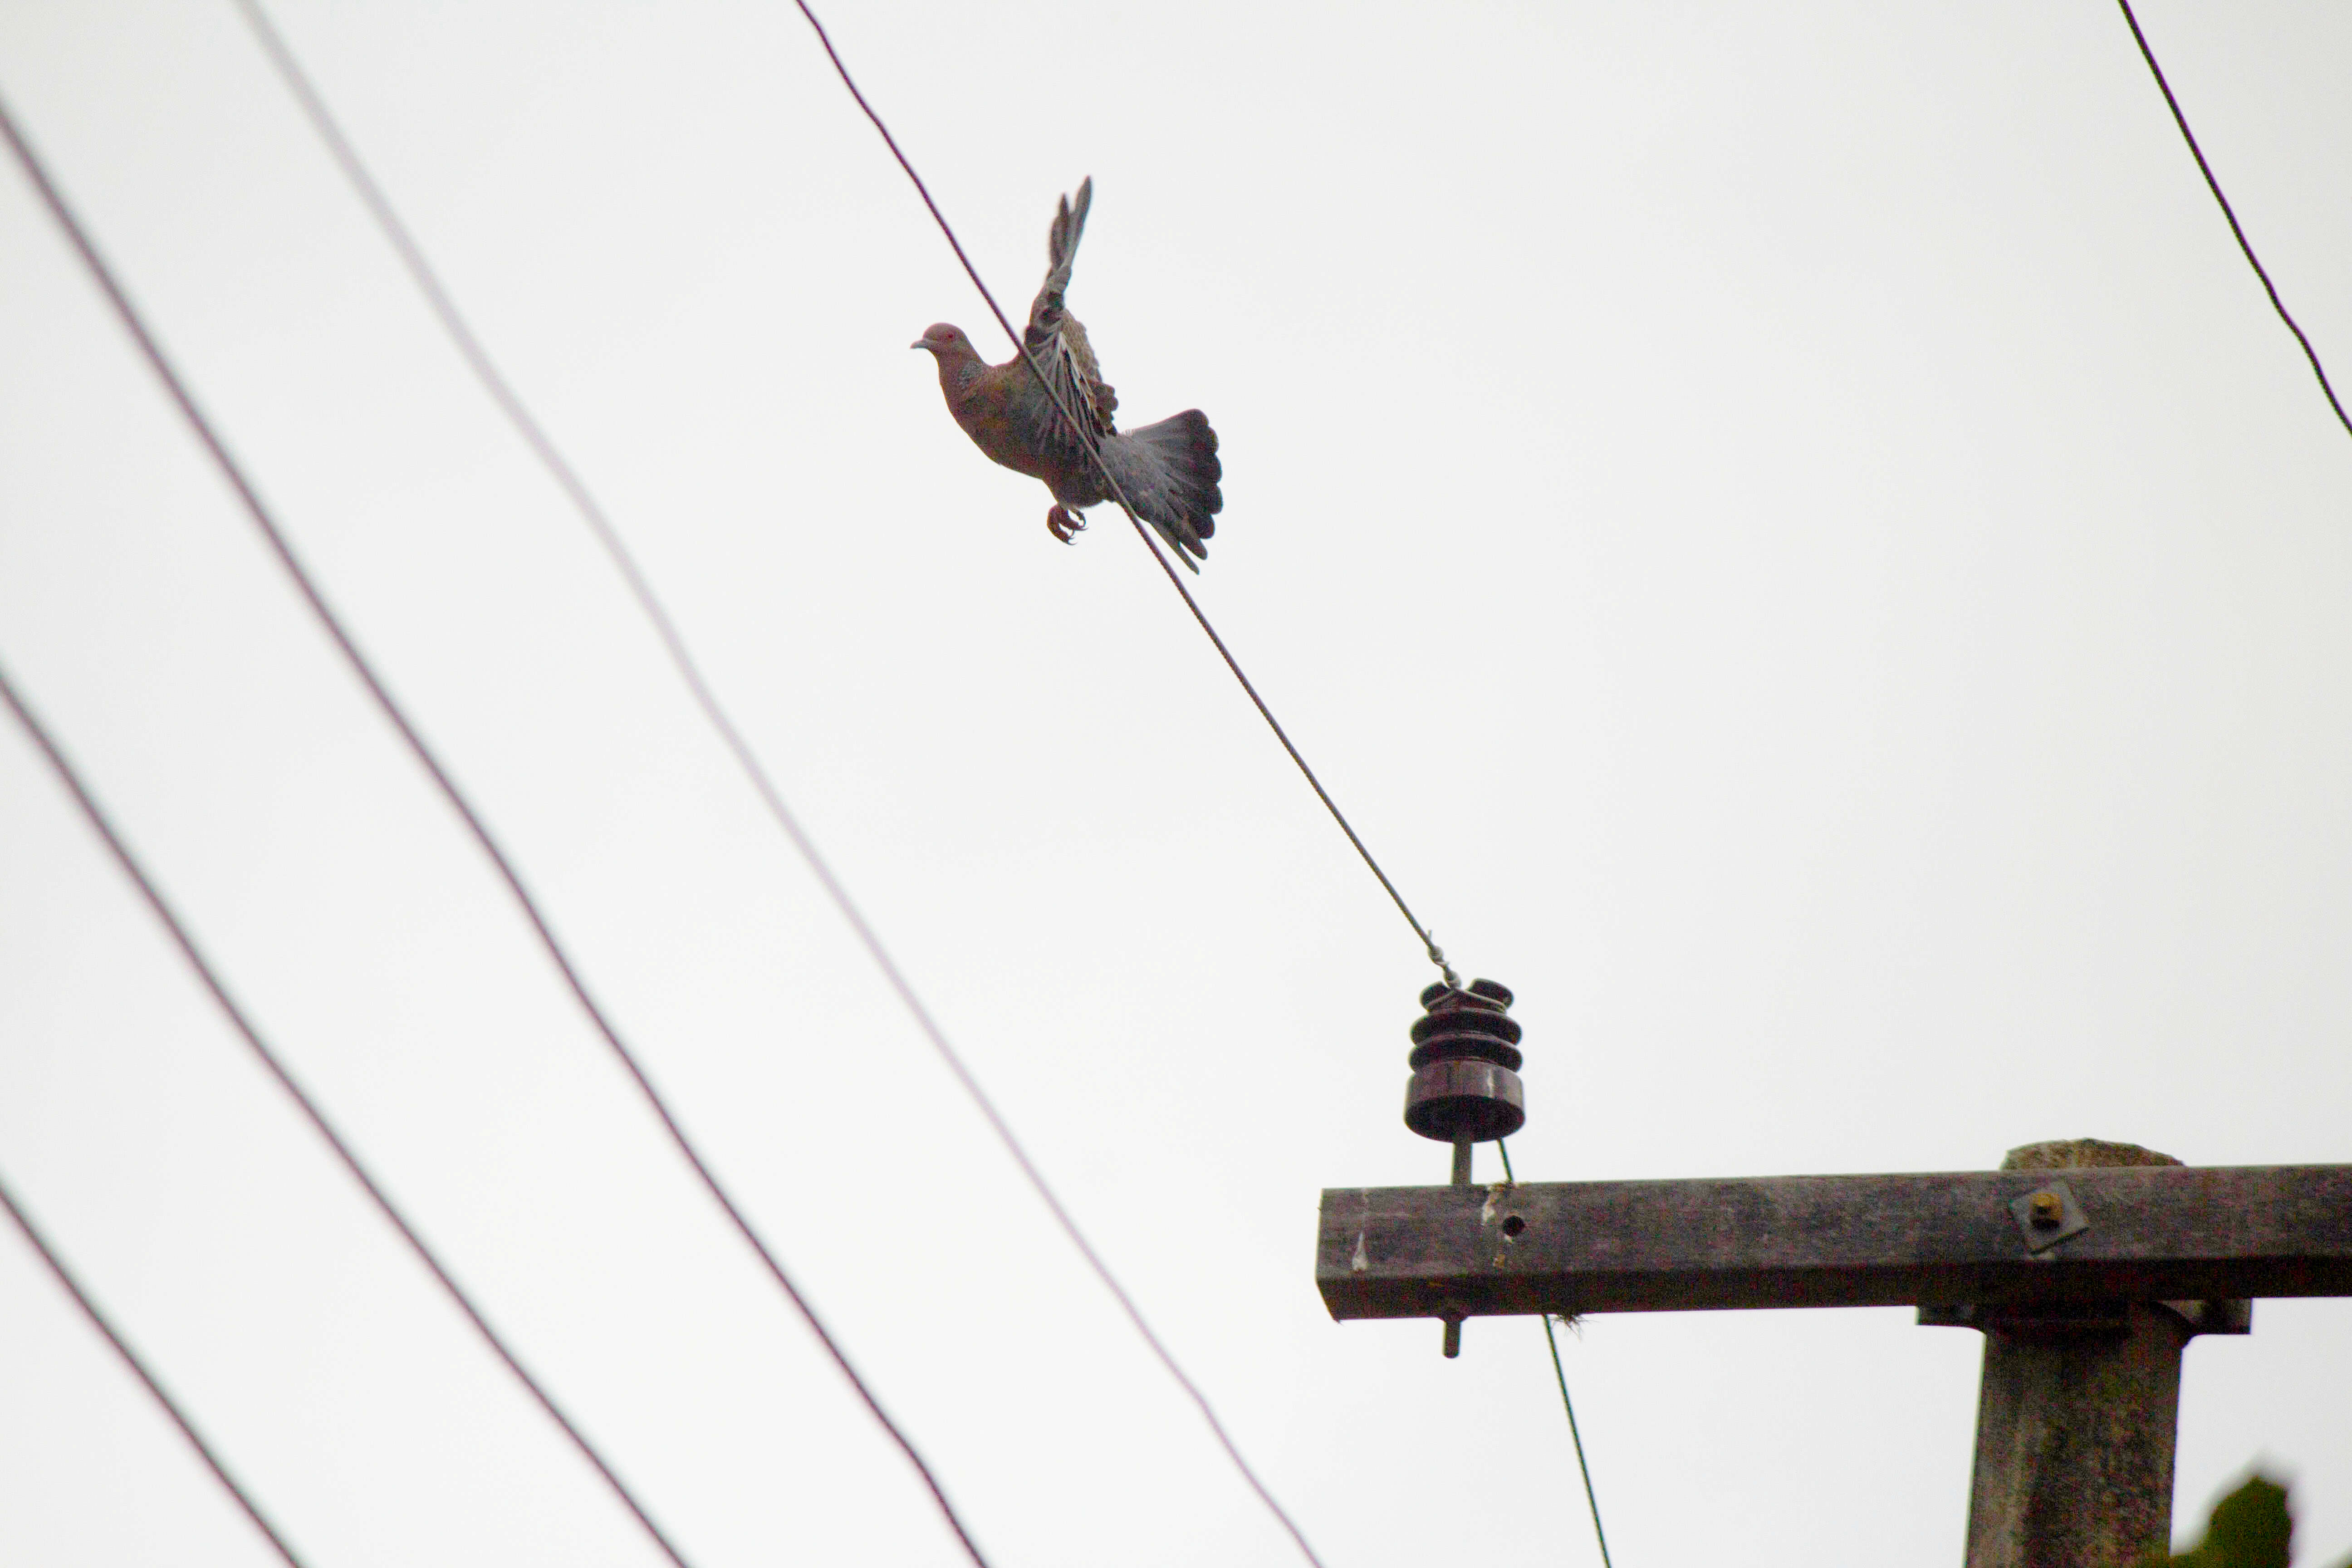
{"x":1792,"y":530}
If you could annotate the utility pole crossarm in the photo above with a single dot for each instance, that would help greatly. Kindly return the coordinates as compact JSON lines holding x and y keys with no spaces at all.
{"x":2128,"y":1233}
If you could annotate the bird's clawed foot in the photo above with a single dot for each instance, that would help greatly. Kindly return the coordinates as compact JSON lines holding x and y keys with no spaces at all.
{"x":1062,"y":522}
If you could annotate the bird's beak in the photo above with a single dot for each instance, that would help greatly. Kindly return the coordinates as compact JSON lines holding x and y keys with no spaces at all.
{"x":918,"y":343}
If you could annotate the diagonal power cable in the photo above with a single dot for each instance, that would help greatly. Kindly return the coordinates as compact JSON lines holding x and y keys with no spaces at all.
{"x":1577,"y":1437}
{"x":1575,"y":1434}
{"x":180,"y":1418}
{"x":583,"y":501}
{"x":244,"y":1024}
{"x":2237,"y":229}
{"x":279,"y":546}
{"x":1086,"y":438}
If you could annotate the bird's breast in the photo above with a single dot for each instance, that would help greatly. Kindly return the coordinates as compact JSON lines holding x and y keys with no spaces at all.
{"x":985,"y":411}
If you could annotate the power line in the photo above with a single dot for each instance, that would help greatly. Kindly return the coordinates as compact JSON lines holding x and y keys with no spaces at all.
{"x":1086,"y":440}
{"x":2235,"y":227}
{"x":182,"y":937}
{"x":1575,"y":1435}
{"x":279,"y":546}
{"x":576,"y":488}
{"x":1576,"y":1438}
{"x":131,"y":1358}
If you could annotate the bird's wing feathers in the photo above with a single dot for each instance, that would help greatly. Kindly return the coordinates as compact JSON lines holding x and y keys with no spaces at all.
{"x":1056,"y":341}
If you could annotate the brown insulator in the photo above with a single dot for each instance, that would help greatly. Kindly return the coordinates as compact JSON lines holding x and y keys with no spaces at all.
{"x":1465,"y":1056}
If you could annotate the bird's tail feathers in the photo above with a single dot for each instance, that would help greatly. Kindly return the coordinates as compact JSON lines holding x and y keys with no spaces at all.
{"x":1170,"y":471}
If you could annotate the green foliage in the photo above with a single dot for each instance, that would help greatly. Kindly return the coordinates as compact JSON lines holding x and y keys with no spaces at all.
{"x":2250,"y":1528}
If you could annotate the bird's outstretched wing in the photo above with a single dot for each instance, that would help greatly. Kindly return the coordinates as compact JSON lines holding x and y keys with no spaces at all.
{"x":1056,"y":341}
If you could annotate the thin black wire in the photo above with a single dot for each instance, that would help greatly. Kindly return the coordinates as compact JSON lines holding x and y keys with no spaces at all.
{"x":458,"y":803}
{"x":98,"y":1320}
{"x":2243,"y":243}
{"x":1574,"y":1435}
{"x":1578,"y":1437}
{"x":1086,"y":438}
{"x":543,"y":445}
{"x":180,"y":936}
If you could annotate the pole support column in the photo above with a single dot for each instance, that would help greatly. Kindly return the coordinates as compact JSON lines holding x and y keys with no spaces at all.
{"x":2078,"y":1412}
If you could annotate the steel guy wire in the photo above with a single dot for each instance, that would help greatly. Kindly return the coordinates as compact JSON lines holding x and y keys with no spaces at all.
{"x":131,"y":1358}
{"x":2244,"y":244}
{"x":186,"y":941}
{"x":535,"y":436}
{"x":1086,"y":440}
{"x":1575,"y":1435}
{"x":280,"y":547}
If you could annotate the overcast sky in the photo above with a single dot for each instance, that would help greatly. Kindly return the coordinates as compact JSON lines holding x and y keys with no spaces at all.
{"x":1791,"y":530}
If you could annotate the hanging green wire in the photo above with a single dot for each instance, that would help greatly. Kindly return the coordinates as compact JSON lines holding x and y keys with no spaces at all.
{"x":1574,"y":1435}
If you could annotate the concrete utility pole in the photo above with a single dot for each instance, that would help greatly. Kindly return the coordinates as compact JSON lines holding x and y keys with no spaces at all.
{"x":2078,"y":1409}
{"x":2087,"y":1265}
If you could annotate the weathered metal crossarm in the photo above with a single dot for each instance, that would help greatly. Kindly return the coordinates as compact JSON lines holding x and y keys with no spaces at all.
{"x":2155,"y":1233}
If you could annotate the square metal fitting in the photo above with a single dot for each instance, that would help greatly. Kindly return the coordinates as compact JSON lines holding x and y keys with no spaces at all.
{"x":2048,"y":1216}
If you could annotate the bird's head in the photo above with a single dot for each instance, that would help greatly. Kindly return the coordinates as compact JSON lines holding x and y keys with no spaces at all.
{"x":945,"y":341}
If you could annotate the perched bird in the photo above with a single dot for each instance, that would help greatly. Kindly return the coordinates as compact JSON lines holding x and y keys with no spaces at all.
{"x":1168,"y":471}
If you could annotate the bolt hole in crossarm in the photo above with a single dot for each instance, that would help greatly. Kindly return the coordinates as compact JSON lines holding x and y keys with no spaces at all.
{"x":1513,"y":1224}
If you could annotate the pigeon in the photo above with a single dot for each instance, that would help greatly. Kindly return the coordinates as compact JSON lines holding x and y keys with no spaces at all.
{"x":1168,"y":471}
